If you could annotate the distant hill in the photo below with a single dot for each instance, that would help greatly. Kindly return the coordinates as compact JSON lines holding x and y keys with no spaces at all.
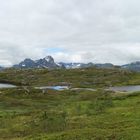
{"x":1,"y":68}
{"x":49,"y":63}
{"x":135,"y":66}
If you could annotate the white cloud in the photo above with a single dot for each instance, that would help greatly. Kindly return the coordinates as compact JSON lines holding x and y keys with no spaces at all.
{"x":91,"y":30}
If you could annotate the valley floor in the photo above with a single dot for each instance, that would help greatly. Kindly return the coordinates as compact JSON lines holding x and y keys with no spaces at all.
{"x":31,"y":114}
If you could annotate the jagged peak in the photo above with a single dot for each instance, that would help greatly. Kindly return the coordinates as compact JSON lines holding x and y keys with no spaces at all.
{"x":49,"y":58}
{"x":47,"y":62}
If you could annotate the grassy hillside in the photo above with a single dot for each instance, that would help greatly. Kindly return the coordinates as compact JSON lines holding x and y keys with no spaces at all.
{"x":69,"y":115}
{"x":90,"y":77}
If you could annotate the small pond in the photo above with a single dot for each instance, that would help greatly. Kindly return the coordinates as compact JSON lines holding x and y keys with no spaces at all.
{"x":2,"y":85}
{"x":126,"y":88}
{"x":83,"y":89}
{"x":59,"y":88}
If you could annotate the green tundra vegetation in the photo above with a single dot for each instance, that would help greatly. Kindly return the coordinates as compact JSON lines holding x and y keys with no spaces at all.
{"x":27,"y":113}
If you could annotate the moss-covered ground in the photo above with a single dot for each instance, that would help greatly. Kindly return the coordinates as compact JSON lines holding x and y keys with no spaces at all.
{"x":69,"y":115}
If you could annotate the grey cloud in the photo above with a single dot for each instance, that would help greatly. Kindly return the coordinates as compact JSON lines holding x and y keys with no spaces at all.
{"x":91,"y":30}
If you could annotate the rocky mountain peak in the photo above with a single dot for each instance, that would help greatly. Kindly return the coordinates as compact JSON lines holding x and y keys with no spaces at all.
{"x":47,"y":62}
{"x":49,"y":59}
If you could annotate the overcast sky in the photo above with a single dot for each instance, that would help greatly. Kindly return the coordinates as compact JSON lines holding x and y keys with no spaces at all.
{"x":96,"y":31}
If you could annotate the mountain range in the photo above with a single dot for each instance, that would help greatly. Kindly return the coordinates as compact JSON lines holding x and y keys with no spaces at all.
{"x":134,"y":66}
{"x":49,"y":63}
